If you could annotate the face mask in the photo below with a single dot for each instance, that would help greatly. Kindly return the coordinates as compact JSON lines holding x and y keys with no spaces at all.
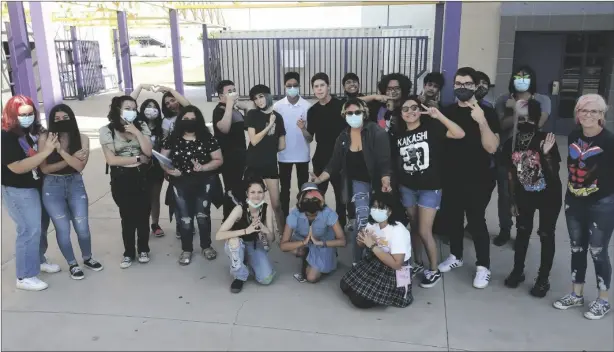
{"x":463,"y":94}
{"x":522,"y":84}
{"x":129,"y":115}
{"x":26,"y":121}
{"x":526,"y":127}
{"x":481,"y":92}
{"x":311,"y":206}
{"x":151,"y":113}
{"x":189,"y":125}
{"x":379,"y":215}
{"x":355,"y":121}
{"x":233,"y":94}
{"x":61,"y":126}
{"x":255,"y":205}
{"x":292,"y":92}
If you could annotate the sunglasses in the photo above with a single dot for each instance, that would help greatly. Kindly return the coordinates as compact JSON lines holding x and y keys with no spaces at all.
{"x":350,"y":113}
{"x":412,"y":108}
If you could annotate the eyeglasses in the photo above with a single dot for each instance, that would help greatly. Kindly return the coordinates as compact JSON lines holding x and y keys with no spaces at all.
{"x":393,"y":89}
{"x":408,"y":108}
{"x":590,"y":112}
{"x":464,"y":85}
{"x":350,"y":113}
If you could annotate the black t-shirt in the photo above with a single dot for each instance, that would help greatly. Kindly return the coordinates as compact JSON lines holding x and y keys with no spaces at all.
{"x":12,"y":152}
{"x":184,"y":151}
{"x":418,"y":155}
{"x":357,"y":167}
{"x":325,"y":123}
{"x":527,"y":161}
{"x":465,"y":160}
{"x":234,"y":140}
{"x":591,"y":164}
{"x":264,"y":154}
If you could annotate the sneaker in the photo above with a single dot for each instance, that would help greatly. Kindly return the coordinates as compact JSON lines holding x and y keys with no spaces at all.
{"x":126,"y":262}
{"x":569,"y":301}
{"x":185,"y":258}
{"x":31,"y":284}
{"x":236,"y":286}
{"x":431,"y":278}
{"x":416,"y":269}
{"x":597,"y":309}
{"x":450,"y":263}
{"x":482,"y":277}
{"x":178,"y":235}
{"x":76,"y":272}
{"x":351,"y":225}
{"x":502,"y":239}
{"x":156,"y":230}
{"x":92,"y":264}
{"x":49,"y":267}
{"x":514,"y":279}
{"x":540,"y":288}
{"x":144,"y":257}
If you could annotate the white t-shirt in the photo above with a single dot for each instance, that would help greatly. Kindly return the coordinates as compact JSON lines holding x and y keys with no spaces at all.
{"x":297,"y":147}
{"x":168,"y":124}
{"x":393,"y":239}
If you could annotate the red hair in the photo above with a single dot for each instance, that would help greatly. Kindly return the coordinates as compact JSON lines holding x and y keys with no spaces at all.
{"x":10,"y":113}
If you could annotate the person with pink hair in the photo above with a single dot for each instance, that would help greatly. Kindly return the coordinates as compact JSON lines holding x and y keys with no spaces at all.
{"x":589,"y":203}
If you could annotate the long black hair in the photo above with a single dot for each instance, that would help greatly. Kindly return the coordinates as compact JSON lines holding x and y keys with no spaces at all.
{"x":74,"y":136}
{"x":202,"y":131}
{"x":399,"y":126}
{"x":157,"y":122}
{"x":115,"y":113}
{"x":166,"y":112}
{"x":528,"y":70}
{"x":386,"y":200}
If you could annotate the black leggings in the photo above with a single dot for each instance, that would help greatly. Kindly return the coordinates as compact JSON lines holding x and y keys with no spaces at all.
{"x":357,"y":300}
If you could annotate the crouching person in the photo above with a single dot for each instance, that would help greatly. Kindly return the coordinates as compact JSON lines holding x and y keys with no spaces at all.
{"x":313,"y":233}
{"x":247,"y":232}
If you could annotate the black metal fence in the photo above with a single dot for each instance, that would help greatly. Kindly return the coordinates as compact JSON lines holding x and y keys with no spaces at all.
{"x":80,"y":70}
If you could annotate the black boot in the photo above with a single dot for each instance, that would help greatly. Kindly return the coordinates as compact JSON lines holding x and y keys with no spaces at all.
{"x":514,"y":279}
{"x":541,"y":287}
{"x":502,"y":239}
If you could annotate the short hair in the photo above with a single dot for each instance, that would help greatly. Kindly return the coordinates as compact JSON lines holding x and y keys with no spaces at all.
{"x":320,"y":75}
{"x":358,"y":102}
{"x":531,"y":72}
{"x":481,"y":76}
{"x":258,"y":89}
{"x":591,"y":98}
{"x":350,"y":76}
{"x":223,"y":84}
{"x":467,"y":71}
{"x":292,"y":75}
{"x":434,"y":77}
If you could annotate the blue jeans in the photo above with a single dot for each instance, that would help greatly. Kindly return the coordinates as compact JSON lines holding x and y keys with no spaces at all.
{"x":361,"y":197}
{"x":193,"y":198}
{"x":590,"y":224}
{"x":24,"y":207}
{"x":424,"y":198}
{"x":65,"y":200}
{"x":257,"y":258}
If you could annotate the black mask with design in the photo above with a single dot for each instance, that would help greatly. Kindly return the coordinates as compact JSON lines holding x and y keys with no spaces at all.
{"x":311,"y":205}
{"x":189,"y":125}
{"x":481,"y":92}
{"x":463,"y":94}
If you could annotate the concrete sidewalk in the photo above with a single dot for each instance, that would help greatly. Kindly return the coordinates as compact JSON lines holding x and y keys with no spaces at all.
{"x":163,"y":306}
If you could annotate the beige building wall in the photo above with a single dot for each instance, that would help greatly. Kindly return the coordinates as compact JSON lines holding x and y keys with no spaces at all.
{"x":479,"y":37}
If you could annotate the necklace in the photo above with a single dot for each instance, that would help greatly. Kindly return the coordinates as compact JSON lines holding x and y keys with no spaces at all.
{"x":523,"y":142}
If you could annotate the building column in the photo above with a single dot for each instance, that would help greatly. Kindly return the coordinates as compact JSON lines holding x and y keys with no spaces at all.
{"x":124,"y":43}
{"x":438,"y":36}
{"x":451,"y":41}
{"x":118,"y":60}
{"x":21,"y":55}
{"x":176,"y":43}
{"x":207,"y":58}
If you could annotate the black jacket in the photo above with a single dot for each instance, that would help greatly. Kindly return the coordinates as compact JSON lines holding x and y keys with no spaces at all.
{"x":376,"y":150}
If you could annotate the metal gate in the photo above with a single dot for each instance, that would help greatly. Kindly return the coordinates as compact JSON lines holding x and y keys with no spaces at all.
{"x":251,"y":61}
{"x":81,"y":70}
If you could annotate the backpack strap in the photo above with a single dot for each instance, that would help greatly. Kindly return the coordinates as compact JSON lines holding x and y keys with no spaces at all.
{"x":110,"y":127}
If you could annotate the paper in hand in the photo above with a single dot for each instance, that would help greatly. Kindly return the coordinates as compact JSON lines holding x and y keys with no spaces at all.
{"x":164,"y":161}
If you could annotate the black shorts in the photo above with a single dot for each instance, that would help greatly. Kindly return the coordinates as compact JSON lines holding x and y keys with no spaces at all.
{"x":155,"y":173}
{"x":266,"y":172}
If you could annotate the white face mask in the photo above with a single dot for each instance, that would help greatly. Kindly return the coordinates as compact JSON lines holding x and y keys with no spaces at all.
{"x":26,"y":121}
{"x":129,"y":115}
{"x":379,"y":215}
{"x":255,"y":205}
{"x":151,"y":113}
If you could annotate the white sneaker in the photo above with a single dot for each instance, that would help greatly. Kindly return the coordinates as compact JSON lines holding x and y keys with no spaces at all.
{"x":31,"y":284}
{"x":49,"y":267}
{"x":126,"y":262}
{"x":450,"y":263}
{"x":144,"y":257}
{"x":482,"y":277}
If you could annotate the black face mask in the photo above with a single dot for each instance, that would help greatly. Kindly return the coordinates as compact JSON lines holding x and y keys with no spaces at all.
{"x":526,"y":127}
{"x":190,"y":125}
{"x":61,"y":126}
{"x":481,"y":92}
{"x":311,"y":206}
{"x":463,"y":94}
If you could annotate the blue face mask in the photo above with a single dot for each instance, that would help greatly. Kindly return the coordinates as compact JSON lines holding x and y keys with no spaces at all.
{"x":379,"y":215}
{"x":129,"y":115}
{"x":522,"y":84}
{"x":26,"y":121}
{"x":292,"y":92}
{"x":354,"y":120}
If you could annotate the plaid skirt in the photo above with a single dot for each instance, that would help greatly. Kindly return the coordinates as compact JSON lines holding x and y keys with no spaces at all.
{"x":377,"y":282}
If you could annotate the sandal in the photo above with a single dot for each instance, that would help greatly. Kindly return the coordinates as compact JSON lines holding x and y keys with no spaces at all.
{"x":210,"y":253}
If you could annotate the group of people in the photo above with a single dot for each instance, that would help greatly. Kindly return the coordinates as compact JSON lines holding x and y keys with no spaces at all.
{"x":396,"y":162}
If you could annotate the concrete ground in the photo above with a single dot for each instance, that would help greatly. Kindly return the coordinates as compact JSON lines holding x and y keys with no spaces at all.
{"x":163,"y":306}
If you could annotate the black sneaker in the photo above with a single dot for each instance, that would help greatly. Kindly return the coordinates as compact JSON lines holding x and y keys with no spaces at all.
{"x":502,"y":239}
{"x":514,"y":279}
{"x":93,"y":264}
{"x":76,"y":272}
{"x":540,"y":288}
{"x":430,"y":278}
{"x":236,"y":286}
{"x":417,"y":268}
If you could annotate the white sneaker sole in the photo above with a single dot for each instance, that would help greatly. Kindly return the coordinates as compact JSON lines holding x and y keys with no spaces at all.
{"x":125,"y":266}
{"x":31,"y":288}
{"x":447,"y":268}
{"x":589,"y":316}
{"x":94,"y":269}
{"x":480,"y":286}
{"x":562,"y":307}
{"x":77,"y":277}
{"x":430,"y":285}
{"x":144,"y":261}
{"x":51,"y":271}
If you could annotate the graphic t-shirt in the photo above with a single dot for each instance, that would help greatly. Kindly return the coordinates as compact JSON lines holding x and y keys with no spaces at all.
{"x":418,"y":155}
{"x":264,"y":154}
{"x":234,"y":140}
{"x":591,"y":164}
{"x":12,"y":151}
{"x":184,"y":151}
{"x":392,"y":239}
{"x":527,"y":161}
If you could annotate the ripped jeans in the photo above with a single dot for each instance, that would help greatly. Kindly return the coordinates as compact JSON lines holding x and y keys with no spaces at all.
{"x":193,"y":199}
{"x":361,"y":197}
{"x":257,"y":258}
{"x":65,"y":200}
{"x":590,"y":224}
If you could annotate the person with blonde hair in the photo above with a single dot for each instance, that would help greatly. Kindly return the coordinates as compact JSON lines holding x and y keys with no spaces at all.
{"x":589,"y":203}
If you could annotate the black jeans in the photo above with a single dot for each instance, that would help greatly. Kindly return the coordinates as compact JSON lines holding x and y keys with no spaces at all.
{"x":232,"y":174}
{"x":193,"y":198}
{"x":285,"y":178}
{"x":131,"y":192}
{"x":549,"y":205}
{"x":471,"y":199}
{"x":336,"y":181}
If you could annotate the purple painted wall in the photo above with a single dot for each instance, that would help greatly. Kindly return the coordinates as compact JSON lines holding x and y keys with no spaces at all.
{"x":451,"y":42}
